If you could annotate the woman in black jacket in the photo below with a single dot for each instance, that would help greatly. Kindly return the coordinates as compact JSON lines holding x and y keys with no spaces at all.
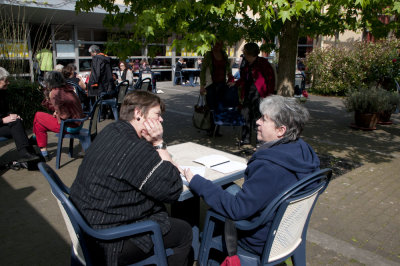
{"x":126,"y":176}
{"x":11,"y":124}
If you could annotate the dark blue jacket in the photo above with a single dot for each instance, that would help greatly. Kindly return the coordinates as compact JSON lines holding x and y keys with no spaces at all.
{"x":269,"y":172}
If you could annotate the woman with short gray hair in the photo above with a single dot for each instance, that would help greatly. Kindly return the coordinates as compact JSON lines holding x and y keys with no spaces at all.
{"x":11,"y":124}
{"x":281,"y":160}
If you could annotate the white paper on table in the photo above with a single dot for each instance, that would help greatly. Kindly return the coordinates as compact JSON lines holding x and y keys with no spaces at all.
{"x":196,"y":170}
{"x":229,"y":167}
{"x":212,"y":160}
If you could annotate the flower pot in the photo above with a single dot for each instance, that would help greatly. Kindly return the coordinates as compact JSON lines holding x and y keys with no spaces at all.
{"x":365,"y":121}
{"x":384,"y":118}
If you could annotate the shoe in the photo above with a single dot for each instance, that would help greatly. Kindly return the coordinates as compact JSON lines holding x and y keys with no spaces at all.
{"x":28,"y":157}
{"x":46,"y":158}
{"x":81,"y":154}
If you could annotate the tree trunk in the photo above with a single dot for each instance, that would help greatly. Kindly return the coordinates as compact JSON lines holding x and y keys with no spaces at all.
{"x":288,"y":57}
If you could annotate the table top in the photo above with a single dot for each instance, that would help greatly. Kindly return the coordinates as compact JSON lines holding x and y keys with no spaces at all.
{"x":185,"y":153}
{"x":190,"y":69}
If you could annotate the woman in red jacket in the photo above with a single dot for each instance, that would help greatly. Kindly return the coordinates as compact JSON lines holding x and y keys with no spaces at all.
{"x":257,"y":80}
{"x":64,"y":103}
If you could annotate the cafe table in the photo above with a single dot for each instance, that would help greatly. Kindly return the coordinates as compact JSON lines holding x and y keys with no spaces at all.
{"x":188,"y":205}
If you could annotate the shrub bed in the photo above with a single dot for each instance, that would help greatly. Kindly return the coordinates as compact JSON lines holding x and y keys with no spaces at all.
{"x":339,"y":70}
{"x":25,"y":99}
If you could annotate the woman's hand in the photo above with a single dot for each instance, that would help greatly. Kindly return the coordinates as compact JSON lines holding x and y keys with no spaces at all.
{"x":153,"y":132}
{"x":11,"y":118}
{"x":188,"y":174}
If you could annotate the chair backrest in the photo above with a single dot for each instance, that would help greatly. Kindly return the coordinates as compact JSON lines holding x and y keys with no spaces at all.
{"x":94,"y":117}
{"x":146,"y":75}
{"x":61,"y":193}
{"x":290,"y":213}
{"x":143,"y":84}
{"x":122,"y":88}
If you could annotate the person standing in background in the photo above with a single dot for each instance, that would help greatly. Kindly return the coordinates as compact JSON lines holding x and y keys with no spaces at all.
{"x":215,"y":70}
{"x":100,"y":80}
{"x":257,"y":80}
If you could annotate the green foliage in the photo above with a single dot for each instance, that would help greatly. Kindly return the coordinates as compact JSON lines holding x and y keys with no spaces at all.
{"x":339,"y":70}
{"x":366,"y":101}
{"x":25,"y":99}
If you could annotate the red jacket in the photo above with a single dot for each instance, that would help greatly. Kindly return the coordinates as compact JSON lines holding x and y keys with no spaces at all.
{"x":263,"y":76}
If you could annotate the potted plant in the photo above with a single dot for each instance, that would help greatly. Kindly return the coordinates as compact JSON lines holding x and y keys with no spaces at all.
{"x":366,"y":104}
{"x":391,"y":101}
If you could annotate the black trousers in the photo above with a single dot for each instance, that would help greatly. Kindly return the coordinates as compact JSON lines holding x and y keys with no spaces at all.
{"x":179,"y":239}
{"x":250,"y":111}
{"x":16,"y":131}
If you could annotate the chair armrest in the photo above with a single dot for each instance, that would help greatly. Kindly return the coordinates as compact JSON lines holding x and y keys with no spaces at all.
{"x":125,"y":230}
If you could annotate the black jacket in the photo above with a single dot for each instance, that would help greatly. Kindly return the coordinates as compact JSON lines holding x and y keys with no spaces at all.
{"x":123,"y":180}
{"x":4,"y":107}
{"x":101,"y":79}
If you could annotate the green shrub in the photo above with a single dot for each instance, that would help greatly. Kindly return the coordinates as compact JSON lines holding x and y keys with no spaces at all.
{"x":25,"y":99}
{"x":371,"y":100}
{"x":339,"y":70}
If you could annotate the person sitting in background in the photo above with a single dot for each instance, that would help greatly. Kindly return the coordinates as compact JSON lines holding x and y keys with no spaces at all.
{"x":58,"y":68}
{"x":281,"y":160}
{"x":62,"y":100}
{"x":124,"y":73}
{"x":11,"y":124}
{"x":115,"y":185}
{"x":215,"y":71}
{"x":70,"y":76}
{"x":144,"y":66}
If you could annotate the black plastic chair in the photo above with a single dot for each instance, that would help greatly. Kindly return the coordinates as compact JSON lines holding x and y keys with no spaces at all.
{"x":289,"y":215}
{"x":122,"y":89}
{"x":85,"y":135}
{"x":79,"y":230}
{"x":81,"y":95}
{"x":143,"y":84}
{"x":178,"y":75}
{"x":115,"y":102}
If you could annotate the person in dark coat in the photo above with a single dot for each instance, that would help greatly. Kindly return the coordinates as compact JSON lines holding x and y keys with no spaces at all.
{"x":11,"y":124}
{"x":126,"y":176}
{"x":257,"y":81}
{"x":101,"y":79}
{"x":282,"y":160}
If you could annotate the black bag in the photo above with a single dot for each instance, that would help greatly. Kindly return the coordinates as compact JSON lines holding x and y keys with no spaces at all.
{"x":202,"y":115}
{"x":231,"y":244}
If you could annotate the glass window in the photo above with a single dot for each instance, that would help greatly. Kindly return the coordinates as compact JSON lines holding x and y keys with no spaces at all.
{"x":65,"y":62}
{"x":65,"y":50}
{"x":100,"y":35}
{"x":63,"y":33}
{"x":84,"y":48}
{"x":85,"y":64}
{"x":84,"y":34}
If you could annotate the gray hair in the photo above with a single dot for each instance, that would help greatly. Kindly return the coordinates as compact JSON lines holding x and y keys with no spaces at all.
{"x":3,"y":73}
{"x":53,"y":79}
{"x":58,"y":67}
{"x":285,"y":111}
{"x":94,"y":49}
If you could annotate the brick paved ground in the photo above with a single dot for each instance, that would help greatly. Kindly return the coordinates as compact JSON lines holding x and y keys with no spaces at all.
{"x":356,"y":221}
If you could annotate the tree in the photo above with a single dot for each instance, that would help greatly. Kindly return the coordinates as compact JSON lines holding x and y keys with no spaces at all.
{"x":197,"y":24}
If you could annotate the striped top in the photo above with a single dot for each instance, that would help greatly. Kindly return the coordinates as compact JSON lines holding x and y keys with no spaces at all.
{"x":122,"y":180}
